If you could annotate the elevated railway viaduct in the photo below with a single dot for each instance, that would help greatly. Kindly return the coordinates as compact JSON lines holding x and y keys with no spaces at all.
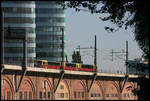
{"x":49,"y":84}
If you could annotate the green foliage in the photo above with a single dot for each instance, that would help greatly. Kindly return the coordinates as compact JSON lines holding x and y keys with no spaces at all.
{"x":76,"y":57}
{"x":123,"y":13}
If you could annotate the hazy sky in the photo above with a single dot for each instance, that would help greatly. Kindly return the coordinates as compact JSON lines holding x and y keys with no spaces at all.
{"x":80,"y":30}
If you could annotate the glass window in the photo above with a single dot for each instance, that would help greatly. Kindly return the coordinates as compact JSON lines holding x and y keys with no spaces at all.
{"x":128,"y":95}
{"x":107,"y":95}
{"x":49,"y":10}
{"x":45,"y":84}
{"x":17,"y":10}
{"x":66,"y":95}
{"x":91,"y":94}
{"x":111,"y":89}
{"x":49,"y":95}
{"x":98,"y":95}
{"x":30,"y":95}
{"x":8,"y":95}
{"x":79,"y":94}
{"x":132,"y":95}
{"x":94,"y":95}
{"x":124,"y":95}
{"x":19,"y":20}
{"x":31,"y":40}
{"x":20,"y":95}
{"x":14,"y":9}
{"x":111,"y":95}
{"x":58,"y":95}
{"x":61,"y":86}
{"x":40,"y":95}
{"x":18,"y":50}
{"x":45,"y":95}
{"x":116,"y":95}
{"x":62,"y":95}
{"x":74,"y":94}
{"x":48,"y":19}
{"x":25,"y":95}
{"x":82,"y":94}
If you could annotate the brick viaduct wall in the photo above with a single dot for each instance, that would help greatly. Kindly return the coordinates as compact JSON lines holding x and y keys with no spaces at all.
{"x":41,"y":87}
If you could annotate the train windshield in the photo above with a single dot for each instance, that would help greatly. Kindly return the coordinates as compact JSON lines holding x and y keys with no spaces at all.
{"x":38,"y":63}
{"x":87,"y":66}
{"x":54,"y":63}
{"x":41,"y":62}
{"x":70,"y":64}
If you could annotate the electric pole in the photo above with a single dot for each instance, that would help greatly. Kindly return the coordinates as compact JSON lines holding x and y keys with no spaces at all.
{"x":79,"y":48}
{"x":123,"y":52}
{"x":95,"y":52}
{"x":95,"y":56}
{"x":62,"y":49}
{"x":95,"y":67}
{"x":126,"y":57}
{"x":62,"y":72}
{"x":112,"y":55}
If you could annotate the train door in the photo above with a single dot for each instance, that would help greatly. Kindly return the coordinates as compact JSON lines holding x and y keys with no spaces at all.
{"x":44,"y":63}
{"x":78,"y":66}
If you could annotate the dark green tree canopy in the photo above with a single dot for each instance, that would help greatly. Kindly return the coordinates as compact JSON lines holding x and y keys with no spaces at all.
{"x":123,"y":13}
{"x":76,"y":57}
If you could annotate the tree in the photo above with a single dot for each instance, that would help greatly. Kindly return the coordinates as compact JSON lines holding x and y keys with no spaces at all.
{"x":123,"y":13}
{"x":76,"y":57}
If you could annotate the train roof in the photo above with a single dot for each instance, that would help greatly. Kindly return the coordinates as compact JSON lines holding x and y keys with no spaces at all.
{"x":41,"y":60}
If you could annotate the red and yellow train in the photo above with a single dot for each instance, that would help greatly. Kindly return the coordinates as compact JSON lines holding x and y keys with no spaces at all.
{"x":66,"y":65}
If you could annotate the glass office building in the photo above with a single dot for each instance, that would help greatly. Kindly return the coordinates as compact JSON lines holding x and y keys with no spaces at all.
{"x":42,"y":22}
{"x":50,"y":19}
{"x":20,"y":17}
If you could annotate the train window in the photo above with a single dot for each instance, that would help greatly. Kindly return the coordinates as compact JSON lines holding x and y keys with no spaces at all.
{"x":54,"y":63}
{"x":38,"y":63}
{"x":20,"y":95}
{"x":70,"y":64}
{"x":87,"y":66}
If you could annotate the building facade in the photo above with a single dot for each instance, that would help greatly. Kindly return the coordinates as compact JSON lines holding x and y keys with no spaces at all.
{"x":39,"y":84}
{"x":42,"y":22}
{"x":50,"y":19}
{"x":19,"y":16}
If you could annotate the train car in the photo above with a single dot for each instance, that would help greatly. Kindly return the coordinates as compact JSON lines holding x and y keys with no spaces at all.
{"x":67,"y":65}
{"x":79,"y":67}
{"x":87,"y":67}
{"x":54,"y":65}
{"x":70,"y":66}
{"x":40,"y":63}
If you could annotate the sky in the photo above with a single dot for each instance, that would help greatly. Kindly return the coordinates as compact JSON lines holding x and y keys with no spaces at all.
{"x":81,"y":27}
